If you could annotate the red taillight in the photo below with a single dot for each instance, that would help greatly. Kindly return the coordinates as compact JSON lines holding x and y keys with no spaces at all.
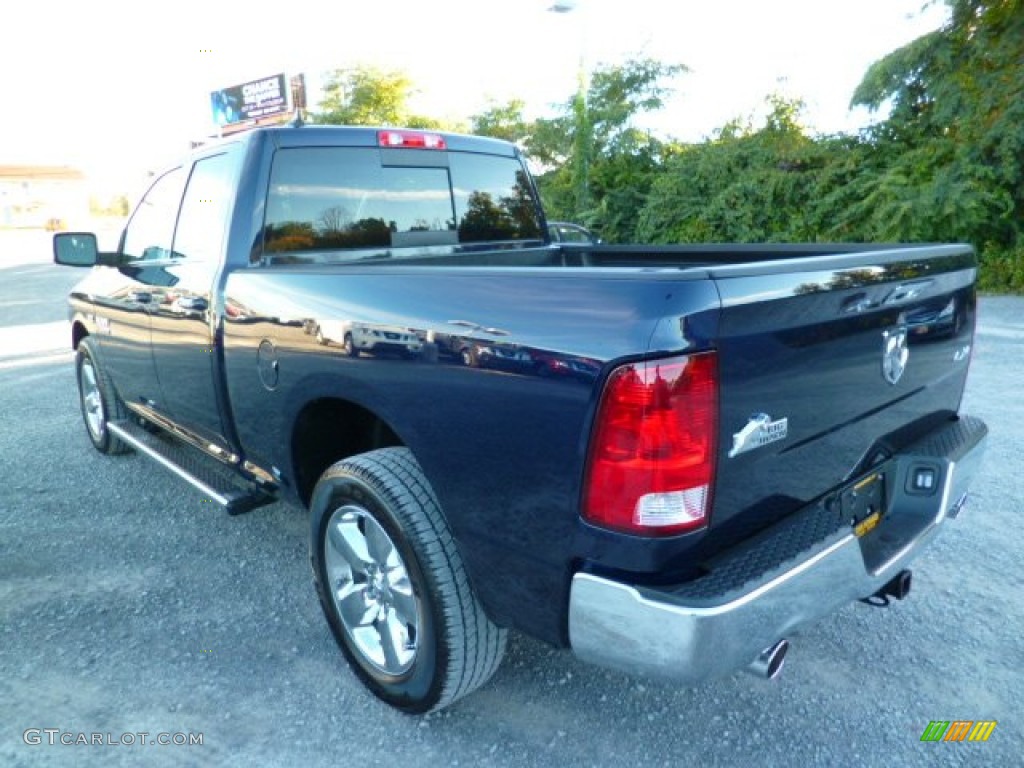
{"x":651,"y":465}
{"x":411,"y":140}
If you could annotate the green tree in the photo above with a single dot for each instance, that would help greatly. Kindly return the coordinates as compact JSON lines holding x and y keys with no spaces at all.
{"x":748,"y":184}
{"x":600,"y":165}
{"x":954,"y":137}
{"x":369,"y":96}
{"x":502,"y":121}
{"x":945,"y":164}
{"x":118,"y":205}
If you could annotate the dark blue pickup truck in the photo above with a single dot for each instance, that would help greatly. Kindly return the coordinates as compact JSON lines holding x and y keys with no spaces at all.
{"x":664,"y":458}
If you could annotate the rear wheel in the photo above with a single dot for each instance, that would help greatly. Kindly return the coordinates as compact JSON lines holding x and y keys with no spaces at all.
{"x":99,"y":401}
{"x":393,"y":587}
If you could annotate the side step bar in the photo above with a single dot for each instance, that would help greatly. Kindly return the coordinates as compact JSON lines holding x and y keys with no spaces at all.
{"x":188,"y":463}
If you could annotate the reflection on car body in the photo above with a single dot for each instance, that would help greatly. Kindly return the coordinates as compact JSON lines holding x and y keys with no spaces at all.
{"x":372,"y":338}
{"x":567,"y":232}
{"x":935,"y":320}
{"x":549,"y":364}
{"x":502,"y":356}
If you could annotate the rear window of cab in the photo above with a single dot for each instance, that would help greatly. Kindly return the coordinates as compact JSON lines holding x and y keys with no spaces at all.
{"x":344,"y":203}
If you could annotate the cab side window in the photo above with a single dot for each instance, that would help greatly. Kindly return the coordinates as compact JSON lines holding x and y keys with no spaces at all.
{"x":204,"y":210}
{"x":150,"y":232}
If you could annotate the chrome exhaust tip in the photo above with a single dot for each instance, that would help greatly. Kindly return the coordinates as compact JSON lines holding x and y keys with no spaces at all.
{"x":769,"y":663}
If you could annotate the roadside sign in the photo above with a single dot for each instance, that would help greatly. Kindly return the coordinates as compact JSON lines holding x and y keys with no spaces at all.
{"x":254,"y":100}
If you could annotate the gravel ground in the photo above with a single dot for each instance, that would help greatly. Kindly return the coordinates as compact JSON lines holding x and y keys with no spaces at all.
{"x":128,"y":605}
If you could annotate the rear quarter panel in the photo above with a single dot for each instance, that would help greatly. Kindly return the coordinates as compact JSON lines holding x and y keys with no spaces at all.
{"x":503,"y":449}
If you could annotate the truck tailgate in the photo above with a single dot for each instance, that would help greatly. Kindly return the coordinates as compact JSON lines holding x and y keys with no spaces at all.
{"x":827,"y":364}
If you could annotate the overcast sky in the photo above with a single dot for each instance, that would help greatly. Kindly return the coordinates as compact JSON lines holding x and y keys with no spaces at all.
{"x":120,"y":87}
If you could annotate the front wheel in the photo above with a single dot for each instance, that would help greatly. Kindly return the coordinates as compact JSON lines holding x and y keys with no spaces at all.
{"x":99,"y":401}
{"x":393,"y":586}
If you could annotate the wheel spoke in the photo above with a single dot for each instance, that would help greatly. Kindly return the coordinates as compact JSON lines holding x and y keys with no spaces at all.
{"x":347,"y":540}
{"x":352,"y":605}
{"x":90,"y":376}
{"x":404,"y":601}
{"x":391,"y":633}
{"x":344,"y":587}
{"x":377,"y":543}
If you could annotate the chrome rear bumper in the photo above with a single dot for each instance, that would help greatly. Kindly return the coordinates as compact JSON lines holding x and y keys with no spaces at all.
{"x":697,"y":634}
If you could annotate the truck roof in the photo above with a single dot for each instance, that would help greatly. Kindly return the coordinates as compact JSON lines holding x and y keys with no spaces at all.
{"x":306,"y":135}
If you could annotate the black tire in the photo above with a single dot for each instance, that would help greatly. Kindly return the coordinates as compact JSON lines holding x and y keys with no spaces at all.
{"x":350,"y":347}
{"x":98,"y":400}
{"x":469,"y":358}
{"x":456,"y":647}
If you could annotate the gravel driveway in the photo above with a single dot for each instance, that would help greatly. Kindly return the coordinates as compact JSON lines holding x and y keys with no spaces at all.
{"x":130,"y":606}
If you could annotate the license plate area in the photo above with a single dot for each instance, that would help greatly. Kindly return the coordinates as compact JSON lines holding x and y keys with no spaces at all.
{"x":862,"y":504}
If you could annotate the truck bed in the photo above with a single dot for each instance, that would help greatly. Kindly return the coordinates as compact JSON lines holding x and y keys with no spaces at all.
{"x":799,"y":331}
